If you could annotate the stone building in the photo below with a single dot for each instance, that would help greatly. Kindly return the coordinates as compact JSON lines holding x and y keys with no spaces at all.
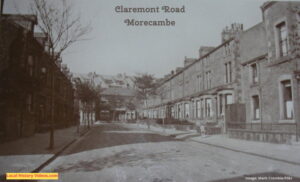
{"x":251,"y":80}
{"x":270,"y":74}
{"x":26,"y":86}
{"x":117,"y":96}
{"x":109,"y":81}
{"x":86,"y":106}
{"x":120,"y":104}
{"x":201,"y":90}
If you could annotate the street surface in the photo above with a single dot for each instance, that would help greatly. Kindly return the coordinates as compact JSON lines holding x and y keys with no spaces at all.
{"x":112,"y":152}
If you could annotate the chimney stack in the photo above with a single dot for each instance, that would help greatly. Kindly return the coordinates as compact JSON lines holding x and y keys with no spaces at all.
{"x":230,"y":32}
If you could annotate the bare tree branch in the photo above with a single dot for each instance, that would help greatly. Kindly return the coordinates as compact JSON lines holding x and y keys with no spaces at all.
{"x":57,"y":20}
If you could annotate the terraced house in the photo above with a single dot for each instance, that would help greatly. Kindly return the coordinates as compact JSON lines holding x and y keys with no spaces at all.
{"x":248,"y":85}
{"x":34,"y":89}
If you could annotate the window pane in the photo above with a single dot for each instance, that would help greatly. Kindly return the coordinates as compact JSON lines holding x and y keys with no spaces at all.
{"x":284,"y":47}
{"x":228,"y":99}
{"x":255,"y":103}
{"x":230,"y":73}
{"x":208,"y":107}
{"x":226,"y":73}
{"x":187,"y":111}
{"x":287,"y":90}
{"x":289,"y":109}
{"x":221,"y":103}
{"x":254,"y":73}
{"x":282,"y":39}
{"x":282,"y":31}
{"x":287,"y":99}
{"x":173,"y":112}
{"x":198,"y":109}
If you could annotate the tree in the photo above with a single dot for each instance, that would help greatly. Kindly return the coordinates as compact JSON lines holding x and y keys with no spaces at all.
{"x":89,"y":96}
{"x":57,"y":21}
{"x":146,"y":86}
{"x":130,"y":105}
{"x":62,"y":28}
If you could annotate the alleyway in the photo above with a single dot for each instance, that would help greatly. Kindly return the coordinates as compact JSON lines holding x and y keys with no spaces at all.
{"x":111,"y":152}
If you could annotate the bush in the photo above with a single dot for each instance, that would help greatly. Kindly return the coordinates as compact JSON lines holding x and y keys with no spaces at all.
{"x":173,"y":121}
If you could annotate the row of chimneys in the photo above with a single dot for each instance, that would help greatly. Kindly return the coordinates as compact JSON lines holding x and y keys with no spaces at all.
{"x":234,"y":27}
{"x":227,"y":31}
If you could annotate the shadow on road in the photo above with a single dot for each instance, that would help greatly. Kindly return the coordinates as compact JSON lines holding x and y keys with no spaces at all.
{"x":126,"y":158}
{"x":108,"y":135}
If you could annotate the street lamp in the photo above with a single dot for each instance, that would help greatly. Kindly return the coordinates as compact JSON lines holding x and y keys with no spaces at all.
{"x":44,"y":70}
{"x":51,"y":139}
{"x":42,"y":108}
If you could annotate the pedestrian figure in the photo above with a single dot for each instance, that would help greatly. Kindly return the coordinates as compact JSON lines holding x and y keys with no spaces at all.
{"x":202,"y":130}
{"x":148,"y":124}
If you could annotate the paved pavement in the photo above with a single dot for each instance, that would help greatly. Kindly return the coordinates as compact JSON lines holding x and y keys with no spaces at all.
{"x":27,"y":154}
{"x":281,"y":152}
{"x":114,"y":152}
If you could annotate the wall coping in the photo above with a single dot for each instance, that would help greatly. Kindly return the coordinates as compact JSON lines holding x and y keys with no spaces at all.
{"x":262,"y":131}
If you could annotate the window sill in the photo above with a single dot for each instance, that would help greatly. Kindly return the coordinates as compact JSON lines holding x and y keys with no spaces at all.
{"x":286,"y":121}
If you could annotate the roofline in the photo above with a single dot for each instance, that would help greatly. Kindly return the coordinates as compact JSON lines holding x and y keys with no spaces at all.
{"x":267,"y":5}
{"x":254,"y":26}
{"x":29,"y":17}
{"x":197,"y":60}
{"x":255,"y":59}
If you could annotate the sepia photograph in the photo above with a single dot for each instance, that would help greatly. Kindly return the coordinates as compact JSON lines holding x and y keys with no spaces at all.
{"x":150,"y":90}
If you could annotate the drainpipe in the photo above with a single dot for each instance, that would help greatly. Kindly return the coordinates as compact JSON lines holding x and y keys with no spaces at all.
{"x":297,"y":104}
{"x":260,"y":107}
{"x":224,"y":110}
{"x":216,"y":112}
{"x":260,"y":97}
{"x":296,"y":88}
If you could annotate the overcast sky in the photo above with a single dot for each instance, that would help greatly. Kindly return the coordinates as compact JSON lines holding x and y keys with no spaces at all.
{"x":115,"y":48}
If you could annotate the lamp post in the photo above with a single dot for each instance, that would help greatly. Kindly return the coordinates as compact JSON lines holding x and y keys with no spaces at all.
{"x":44,"y":72}
{"x":51,"y":139}
{"x":51,"y":143}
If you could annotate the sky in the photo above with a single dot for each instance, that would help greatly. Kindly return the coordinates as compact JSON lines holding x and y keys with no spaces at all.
{"x":113,"y":47}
